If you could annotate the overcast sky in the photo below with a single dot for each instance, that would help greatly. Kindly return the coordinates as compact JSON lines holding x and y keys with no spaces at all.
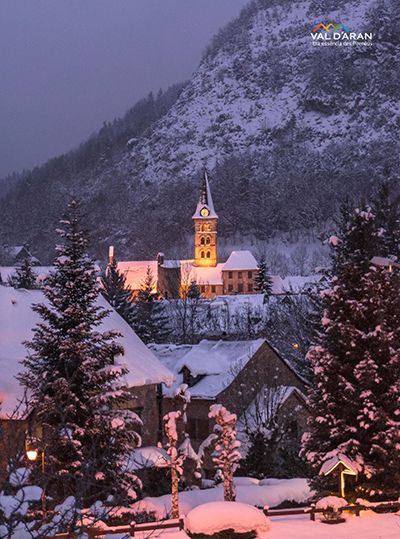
{"x":68,"y":65}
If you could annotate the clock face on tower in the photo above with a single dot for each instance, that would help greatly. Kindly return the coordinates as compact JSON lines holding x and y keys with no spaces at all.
{"x":204,"y":212}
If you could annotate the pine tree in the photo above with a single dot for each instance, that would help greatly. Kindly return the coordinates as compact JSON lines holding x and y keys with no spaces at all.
{"x":386,"y":209}
{"x":263,"y":279}
{"x":356,"y":362}
{"x":74,"y":382}
{"x":150,"y":320}
{"x":24,"y":276}
{"x":116,"y":291}
{"x":226,"y":455}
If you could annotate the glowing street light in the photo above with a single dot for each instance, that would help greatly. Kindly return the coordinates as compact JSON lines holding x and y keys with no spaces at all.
{"x":32,"y":454}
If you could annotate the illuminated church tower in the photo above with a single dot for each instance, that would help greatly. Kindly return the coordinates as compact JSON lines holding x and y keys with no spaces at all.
{"x":205,"y":226}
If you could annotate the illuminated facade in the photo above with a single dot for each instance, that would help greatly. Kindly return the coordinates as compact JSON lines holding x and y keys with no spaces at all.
{"x":205,"y":229}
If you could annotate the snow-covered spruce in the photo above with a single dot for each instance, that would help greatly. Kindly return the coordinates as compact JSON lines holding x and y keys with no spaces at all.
{"x":116,"y":291}
{"x":149,"y":319}
{"x":74,"y":384}
{"x":356,"y":362}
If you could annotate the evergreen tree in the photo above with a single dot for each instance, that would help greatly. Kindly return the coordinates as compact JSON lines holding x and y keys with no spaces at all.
{"x":356,"y":364}
{"x":386,"y":209}
{"x":74,"y":383}
{"x":24,"y":276}
{"x":263,"y":279}
{"x":116,"y":291}
{"x":150,"y":320}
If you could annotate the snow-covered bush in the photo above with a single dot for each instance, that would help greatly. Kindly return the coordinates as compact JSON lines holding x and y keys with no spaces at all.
{"x":331,"y":507}
{"x":226,"y":455}
{"x":227,"y":520}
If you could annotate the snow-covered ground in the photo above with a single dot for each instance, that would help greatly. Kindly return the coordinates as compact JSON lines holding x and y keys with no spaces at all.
{"x":368,"y":526}
{"x":271,"y":492}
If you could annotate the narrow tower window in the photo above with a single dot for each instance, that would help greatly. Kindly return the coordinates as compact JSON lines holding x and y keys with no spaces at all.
{"x":208,"y":254}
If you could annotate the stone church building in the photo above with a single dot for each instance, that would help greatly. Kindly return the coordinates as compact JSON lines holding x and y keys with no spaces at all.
{"x":214,"y":278}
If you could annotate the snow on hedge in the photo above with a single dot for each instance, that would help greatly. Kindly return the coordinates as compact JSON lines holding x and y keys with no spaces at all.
{"x":214,"y":517}
{"x":296,"y":490}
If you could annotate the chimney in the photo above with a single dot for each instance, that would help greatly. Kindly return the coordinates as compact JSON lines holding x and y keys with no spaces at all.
{"x":110,"y":254}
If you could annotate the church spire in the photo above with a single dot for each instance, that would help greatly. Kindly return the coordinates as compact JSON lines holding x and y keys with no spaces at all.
{"x":205,"y":206}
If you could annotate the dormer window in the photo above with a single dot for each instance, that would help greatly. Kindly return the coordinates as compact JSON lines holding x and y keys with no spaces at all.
{"x":189,"y":379}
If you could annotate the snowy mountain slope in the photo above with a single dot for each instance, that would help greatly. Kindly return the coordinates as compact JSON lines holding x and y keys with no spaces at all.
{"x":286,"y":128}
{"x":263,"y":75}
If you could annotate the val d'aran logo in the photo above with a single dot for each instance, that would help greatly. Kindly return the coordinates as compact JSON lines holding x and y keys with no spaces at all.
{"x":338,"y":34}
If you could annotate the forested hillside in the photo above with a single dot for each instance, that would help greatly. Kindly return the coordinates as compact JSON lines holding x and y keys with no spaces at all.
{"x":286,"y":129}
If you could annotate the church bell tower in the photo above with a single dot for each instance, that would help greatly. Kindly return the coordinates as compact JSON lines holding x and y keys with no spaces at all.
{"x":205,"y":228}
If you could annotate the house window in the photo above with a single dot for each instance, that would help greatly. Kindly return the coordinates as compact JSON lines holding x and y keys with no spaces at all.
{"x":198,"y":428}
{"x":230,"y":274}
{"x":203,"y":288}
{"x":213,"y":288}
{"x":250,"y":274}
{"x":240,"y":287}
{"x":230,"y":287}
{"x":250,"y":287}
{"x":240,"y":274}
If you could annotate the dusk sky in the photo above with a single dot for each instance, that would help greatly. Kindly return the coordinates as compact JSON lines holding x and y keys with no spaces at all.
{"x":68,"y":65}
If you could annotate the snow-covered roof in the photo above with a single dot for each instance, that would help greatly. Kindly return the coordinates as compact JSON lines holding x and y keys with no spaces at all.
{"x":207,"y":275}
{"x":298,"y":283}
{"x":16,"y":322}
{"x":329,"y":465}
{"x":240,"y":260}
{"x":205,"y":201}
{"x":135,"y":272}
{"x":385,"y":262}
{"x":148,"y":457}
{"x":216,"y":362}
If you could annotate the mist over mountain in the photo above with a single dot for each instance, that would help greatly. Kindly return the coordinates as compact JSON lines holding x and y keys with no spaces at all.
{"x":286,"y":129}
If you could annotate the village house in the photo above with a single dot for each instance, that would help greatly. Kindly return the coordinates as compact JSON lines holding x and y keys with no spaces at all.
{"x":15,"y":254}
{"x":17,"y":318}
{"x":235,"y":374}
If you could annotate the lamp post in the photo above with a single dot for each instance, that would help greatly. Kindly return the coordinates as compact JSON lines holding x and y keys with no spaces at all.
{"x":32,"y":454}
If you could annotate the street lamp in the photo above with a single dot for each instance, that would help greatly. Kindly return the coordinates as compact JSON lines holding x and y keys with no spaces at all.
{"x":32,"y":454}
